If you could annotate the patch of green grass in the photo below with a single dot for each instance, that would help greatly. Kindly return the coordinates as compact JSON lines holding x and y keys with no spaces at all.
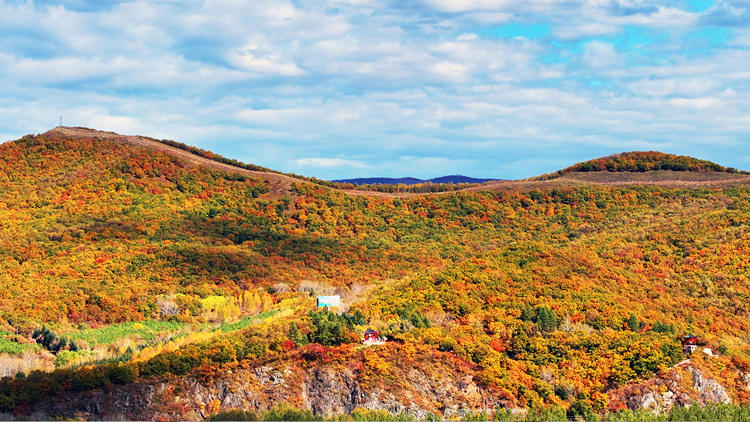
{"x":247,"y":321}
{"x":13,"y":348}
{"x":146,"y":330}
{"x":66,"y":356}
{"x":149,"y":329}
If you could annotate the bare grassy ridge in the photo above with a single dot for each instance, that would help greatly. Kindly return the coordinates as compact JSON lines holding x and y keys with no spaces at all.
{"x":666,"y":178}
{"x":280,"y":184}
{"x":662,"y":178}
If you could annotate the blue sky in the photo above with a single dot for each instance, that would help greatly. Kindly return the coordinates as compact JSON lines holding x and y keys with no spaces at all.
{"x":358,"y":88}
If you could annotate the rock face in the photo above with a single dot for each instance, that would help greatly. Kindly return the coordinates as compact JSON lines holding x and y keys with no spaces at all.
{"x":681,"y":386}
{"x":444,"y":386}
{"x":326,"y":389}
{"x":123,"y":403}
{"x":326,"y":392}
{"x":709,"y":390}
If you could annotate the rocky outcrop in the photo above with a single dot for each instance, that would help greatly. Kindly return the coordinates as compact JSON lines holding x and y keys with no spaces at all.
{"x":129,"y":402}
{"x":681,"y":386}
{"x":327,"y":392}
{"x":441,"y":387}
{"x":744,"y":379}
{"x":444,"y":385}
{"x":709,"y":390}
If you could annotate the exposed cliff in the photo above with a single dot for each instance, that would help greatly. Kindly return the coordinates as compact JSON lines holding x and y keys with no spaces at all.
{"x":691,"y":382}
{"x":444,"y":386}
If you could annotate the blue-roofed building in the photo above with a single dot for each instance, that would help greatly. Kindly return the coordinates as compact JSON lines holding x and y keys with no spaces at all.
{"x":329,"y":301}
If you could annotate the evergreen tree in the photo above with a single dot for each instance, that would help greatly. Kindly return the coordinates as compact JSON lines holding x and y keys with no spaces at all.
{"x":527,"y":313}
{"x":546,"y":319}
{"x":329,"y":329}
{"x":633,"y":323}
{"x":295,"y":335}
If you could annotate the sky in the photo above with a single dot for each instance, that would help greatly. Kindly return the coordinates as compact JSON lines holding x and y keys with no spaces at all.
{"x":362,"y":88}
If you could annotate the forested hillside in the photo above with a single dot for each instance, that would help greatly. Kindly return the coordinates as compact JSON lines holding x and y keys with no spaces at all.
{"x":642,"y":161}
{"x":128,"y":267}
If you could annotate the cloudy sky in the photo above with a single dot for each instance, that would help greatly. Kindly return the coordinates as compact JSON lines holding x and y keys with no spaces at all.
{"x":356,"y":88}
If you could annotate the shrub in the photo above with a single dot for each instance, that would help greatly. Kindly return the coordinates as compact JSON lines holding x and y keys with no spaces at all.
{"x":581,"y":408}
{"x":64,"y":357}
{"x":360,"y":414}
{"x":234,"y":415}
{"x":286,"y":412}
{"x":564,"y":389}
{"x":123,"y":373}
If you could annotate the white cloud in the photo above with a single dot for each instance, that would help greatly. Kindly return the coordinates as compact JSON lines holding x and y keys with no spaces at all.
{"x":458,"y":6}
{"x":120,"y":124}
{"x":367,"y":82}
{"x":451,"y":71}
{"x":598,"y":54}
{"x":247,"y":58}
{"x":697,"y":103}
{"x":329,"y":162}
{"x":490,"y":18}
{"x":673,"y":86}
{"x":576,"y":31}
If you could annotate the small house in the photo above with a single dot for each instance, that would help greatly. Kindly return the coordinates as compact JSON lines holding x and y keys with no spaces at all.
{"x":689,"y":343}
{"x":371,"y":335}
{"x":329,"y":301}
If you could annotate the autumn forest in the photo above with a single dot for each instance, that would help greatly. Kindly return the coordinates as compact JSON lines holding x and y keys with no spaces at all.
{"x":130,"y":264}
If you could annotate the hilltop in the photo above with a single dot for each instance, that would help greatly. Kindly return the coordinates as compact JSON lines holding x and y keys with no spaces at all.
{"x":640,"y":161}
{"x":146,"y":279}
{"x":627,"y":168}
{"x":627,"y":164}
{"x":189,"y":156}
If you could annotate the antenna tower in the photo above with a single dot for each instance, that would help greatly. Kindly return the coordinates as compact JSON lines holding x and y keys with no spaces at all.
{"x":60,"y":120}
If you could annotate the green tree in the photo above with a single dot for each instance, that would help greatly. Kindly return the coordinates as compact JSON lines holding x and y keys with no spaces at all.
{"x":296,"y":336}
{"x":633,"y":323}
{"x":329,"y":329}
{"x":546,"y":319}
{"x":527,"y":313}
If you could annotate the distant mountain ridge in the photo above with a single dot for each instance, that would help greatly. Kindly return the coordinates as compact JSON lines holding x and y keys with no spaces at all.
{"x":635,"y":167}
{"x":412,"y":180}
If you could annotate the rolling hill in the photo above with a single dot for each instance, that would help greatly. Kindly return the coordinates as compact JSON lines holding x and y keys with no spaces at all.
{"x":455,"y":179}
{"x":146,"y":279}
